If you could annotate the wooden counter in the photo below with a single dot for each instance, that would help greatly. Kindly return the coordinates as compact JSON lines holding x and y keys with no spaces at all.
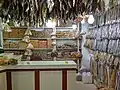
{"x":39,"y":75}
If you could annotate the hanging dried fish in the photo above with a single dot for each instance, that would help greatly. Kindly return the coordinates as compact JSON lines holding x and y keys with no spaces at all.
{"x":36,"y":12}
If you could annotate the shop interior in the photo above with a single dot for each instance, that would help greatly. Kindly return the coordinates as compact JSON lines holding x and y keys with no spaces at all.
{"x":59,"y":44}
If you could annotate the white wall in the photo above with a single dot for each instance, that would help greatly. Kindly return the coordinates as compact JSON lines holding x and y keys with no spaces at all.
{"x":86,"y":58}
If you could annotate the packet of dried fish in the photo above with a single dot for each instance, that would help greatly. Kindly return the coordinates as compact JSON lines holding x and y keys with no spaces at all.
{"x":98,"y":34}
{"x":105,"y":32}
{"x":111,"y":31}
{"x":104,"y":45}
{"x":97,"y":44}
{"x":95,"y":33}
{"x":110,"y":46}
{"x":118,"y":30}
{"x":118,"y":48}
{"x":114,"y":36}
{"x":108,"y":50}
{"x":100,"y":45}
{"x":114,"y":46}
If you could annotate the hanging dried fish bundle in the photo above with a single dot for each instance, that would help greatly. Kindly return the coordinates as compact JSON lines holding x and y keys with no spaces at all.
{"x":35,"y":12}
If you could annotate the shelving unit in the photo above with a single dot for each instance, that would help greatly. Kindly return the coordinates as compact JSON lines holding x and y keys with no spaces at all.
{"x":67,"y":38}
{"x":12,"y":49}
{"x":30,"y":38}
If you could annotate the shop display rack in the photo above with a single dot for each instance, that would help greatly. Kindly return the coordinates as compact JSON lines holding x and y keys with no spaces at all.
{"x":64,"y":35}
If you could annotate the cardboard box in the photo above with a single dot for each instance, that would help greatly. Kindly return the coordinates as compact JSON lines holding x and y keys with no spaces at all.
{"x":14,"y":33}
{"x":49,"y":43}
{"x":43,"y":44}
{"x":40,"y":34}
{"x":13,"y":44}
{"x":22,"y":33}
{"x":34,"y":43}
{"x":5,"y":44}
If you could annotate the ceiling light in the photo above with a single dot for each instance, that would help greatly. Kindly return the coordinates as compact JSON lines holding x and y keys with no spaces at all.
{"x":91,"y":19}
{"x":50,"y":24}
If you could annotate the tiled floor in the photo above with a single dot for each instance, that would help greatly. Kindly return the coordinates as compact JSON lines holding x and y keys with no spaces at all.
{"x":81,"y":86}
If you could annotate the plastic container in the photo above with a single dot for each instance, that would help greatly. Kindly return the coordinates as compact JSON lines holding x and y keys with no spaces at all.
{"x":84,"y":77}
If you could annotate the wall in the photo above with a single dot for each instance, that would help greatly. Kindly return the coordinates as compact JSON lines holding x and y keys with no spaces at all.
{"x":86,"y":58}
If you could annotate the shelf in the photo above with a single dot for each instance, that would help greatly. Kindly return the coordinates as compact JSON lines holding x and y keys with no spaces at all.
{"x":17,"y":49}
{"x":60,"y":49}
{"x":30,"y":38}
{"x":65,"y":39}
{"x":40,"y":38}
{"x":12,"y":38}
{"x":59,"y":59}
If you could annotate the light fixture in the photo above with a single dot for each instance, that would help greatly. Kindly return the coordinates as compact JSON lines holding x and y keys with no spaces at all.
{"x":50,"y":24}
{"x":74,"y":26}
{"x":91,"y":19}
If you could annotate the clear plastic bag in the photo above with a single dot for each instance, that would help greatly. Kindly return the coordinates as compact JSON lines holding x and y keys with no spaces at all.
{"x":104,"y":32}
{"x":118,"y":30}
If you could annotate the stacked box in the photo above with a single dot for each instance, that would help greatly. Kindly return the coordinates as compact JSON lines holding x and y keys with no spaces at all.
{"x":14,"y":33}
{"x":43,"y":44}
{"x":22,"y":33}
{"x":5,"y":44}
{"x":40,"y":34}
{"x":34,"y":43}
{"x":49,"y":43}
{"x":13,"y":44}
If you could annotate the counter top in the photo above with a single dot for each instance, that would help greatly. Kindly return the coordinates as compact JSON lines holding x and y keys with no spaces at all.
{"x":40,"y":65}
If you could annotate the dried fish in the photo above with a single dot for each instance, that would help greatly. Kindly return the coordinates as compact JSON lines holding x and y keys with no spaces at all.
{"x":38,"y":11}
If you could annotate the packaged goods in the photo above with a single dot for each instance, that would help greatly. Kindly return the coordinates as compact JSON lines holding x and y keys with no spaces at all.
{"x":14,"y":33}
{"x":35,"y":43}
{"x":22,"y":33}
{"x":43,"y":44}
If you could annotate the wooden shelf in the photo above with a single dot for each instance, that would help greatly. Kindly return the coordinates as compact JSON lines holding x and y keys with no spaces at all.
{"x":12,"y":38}
{"x":65,"y":39}
{"x":59,"y":49}
{"x":40,"y":38}
{"x":17,"y":49}
{"x":30,"y":38}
